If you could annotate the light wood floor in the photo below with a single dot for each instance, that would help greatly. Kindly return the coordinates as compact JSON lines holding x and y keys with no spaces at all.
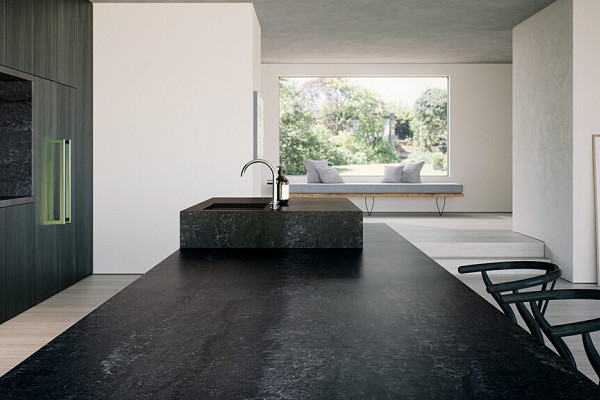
{"x":29,"y":331}
{"x":476,"y":236}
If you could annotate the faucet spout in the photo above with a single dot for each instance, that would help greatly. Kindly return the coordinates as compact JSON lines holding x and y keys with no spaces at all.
{"x":274,"y":202}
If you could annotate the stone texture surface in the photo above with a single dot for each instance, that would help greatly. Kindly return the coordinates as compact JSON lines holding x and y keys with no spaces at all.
{"x":305,"y":223}
{"x":379,"y":323}
{"x":15,"y":138}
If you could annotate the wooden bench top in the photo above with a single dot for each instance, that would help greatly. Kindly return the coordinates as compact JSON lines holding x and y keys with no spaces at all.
{"x":377,"y":195}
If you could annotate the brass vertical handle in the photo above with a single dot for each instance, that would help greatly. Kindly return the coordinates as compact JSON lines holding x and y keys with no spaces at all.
{"x":64,"y":216}
{"x":68,"y":179}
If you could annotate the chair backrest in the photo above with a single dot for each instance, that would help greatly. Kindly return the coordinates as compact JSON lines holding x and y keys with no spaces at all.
{"x":551,"y":273}
{"x":555,"y":333}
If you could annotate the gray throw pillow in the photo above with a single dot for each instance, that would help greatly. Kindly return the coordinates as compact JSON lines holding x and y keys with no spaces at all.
{"x":412,"y":173}
{"x":329,"y":175}
{"x":392,"y":173}
{"x":312,"y":176}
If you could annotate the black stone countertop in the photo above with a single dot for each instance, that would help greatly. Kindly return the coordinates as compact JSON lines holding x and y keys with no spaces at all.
{"x":384,"y":322}
{"x":295,"y":204}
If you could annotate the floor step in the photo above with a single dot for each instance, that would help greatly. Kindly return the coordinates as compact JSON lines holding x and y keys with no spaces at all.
{"x":452,"y":264}
{"x":468,"y":243}
{"x":468,"y":249}
{"x":459,"y":239}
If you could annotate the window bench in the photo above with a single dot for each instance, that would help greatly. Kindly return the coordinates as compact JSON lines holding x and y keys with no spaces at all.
{"x":437,"y":190}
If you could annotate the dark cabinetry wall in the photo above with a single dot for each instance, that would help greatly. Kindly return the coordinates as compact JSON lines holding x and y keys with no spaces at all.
{"x":18,"y":35}
{"x":45,"y":38}
{"x":83,"y":144}
{"x":68,"y":38}
{"x":19,"y":260}
{"x":40,"y":37}
{"x":45,"y":182}
{"x":2,"y":30}
{"x":67,"y":234}
{"x":2,"y":262}
{"x":51,"y":40}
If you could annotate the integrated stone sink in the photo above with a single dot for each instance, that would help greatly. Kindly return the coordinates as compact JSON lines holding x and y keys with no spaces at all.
{"x":249,"y":222}
{"x":237,"y":206}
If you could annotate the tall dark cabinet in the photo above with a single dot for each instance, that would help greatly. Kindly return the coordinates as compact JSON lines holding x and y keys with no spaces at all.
{"x":41,"y":251}
{"x":2,"y":263}
{"x":18,"y":34}
{"x":2,"y":32}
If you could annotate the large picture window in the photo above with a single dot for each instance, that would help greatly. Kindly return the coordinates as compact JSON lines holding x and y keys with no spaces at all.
{"x":361,"y":124}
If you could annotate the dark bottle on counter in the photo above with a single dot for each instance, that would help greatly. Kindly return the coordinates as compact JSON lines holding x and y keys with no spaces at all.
{"x":283,"y":188}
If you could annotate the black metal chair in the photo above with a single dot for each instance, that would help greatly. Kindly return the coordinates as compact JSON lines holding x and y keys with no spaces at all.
{"x":551,"y":273}
{"x":555,"y":333}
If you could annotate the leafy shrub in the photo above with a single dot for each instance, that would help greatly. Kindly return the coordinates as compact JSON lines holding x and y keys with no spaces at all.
{"x":440,"y":160}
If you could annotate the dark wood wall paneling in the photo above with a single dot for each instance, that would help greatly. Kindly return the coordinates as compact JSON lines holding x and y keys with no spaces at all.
{"x":68,"y":11}
{"x":83,"y":145}
{"x":18,"y":35}
{"x":19,"y":264}
{"x":45,"y":183}
{"x":67,"y":234}
{"x":2,"y":31}
{"x":51,"y":40}
{"x":45,"y":39}
{"x":40,"y":37}
{"x":2,"y":263}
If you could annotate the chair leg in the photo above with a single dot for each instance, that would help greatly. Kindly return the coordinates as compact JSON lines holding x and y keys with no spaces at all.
{"x":591,"y":352}
{"x":530,"y":322}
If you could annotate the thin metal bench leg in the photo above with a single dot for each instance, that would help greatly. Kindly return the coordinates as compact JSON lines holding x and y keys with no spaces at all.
{"x":369,"y":212}
{"x":440,"y":212}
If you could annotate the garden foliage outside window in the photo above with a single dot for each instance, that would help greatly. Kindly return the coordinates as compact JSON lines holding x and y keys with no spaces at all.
{"x":361,"y":124}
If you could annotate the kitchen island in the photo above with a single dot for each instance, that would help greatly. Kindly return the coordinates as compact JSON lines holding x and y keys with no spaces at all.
{"x":249,"y":222}
{"x":384,"y":322}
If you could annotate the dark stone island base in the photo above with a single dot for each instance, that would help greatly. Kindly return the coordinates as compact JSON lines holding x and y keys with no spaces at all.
{"x":238,"y":222}
{"x":386,"y":322}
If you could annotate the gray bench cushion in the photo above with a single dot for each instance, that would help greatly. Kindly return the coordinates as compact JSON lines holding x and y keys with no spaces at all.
{"x":418,"y":188}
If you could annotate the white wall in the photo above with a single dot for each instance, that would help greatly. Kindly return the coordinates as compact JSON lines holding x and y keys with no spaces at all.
{"x":480,"y":127}
{"x":586,"y":122}
{"x":556,"y":56}
{"x":543,"y":131}
{"x":172,"y":121}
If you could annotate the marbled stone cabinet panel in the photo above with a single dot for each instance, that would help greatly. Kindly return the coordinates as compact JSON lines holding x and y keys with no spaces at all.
{"x":15,"y":138}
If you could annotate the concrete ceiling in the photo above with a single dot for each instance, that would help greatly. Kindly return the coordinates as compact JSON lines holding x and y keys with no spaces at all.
{"x":386,"y":31}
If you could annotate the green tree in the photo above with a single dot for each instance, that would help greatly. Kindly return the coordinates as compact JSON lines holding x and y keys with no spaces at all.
{"x":297,"y":141}
{"x":403,"y":116}
{"x":430,"y":126}
{"x":315,"y":123}
{"x":332,"y":102}
{"x":371,"y":112}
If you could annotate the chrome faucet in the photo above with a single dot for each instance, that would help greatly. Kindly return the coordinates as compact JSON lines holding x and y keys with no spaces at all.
{"x":274,"y":202}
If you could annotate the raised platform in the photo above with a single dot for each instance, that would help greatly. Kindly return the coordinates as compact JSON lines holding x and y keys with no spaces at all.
{"x":465,"y":238}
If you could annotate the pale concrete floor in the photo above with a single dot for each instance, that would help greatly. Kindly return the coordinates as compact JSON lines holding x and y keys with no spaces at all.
{"x":26,"y":333}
